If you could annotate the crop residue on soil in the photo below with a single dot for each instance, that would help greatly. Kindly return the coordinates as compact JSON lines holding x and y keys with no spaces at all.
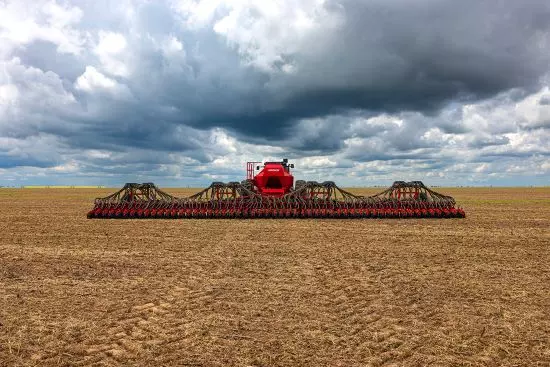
{"x":448,"y":292}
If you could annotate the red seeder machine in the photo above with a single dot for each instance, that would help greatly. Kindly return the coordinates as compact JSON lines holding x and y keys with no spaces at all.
{"x":272,"y":193}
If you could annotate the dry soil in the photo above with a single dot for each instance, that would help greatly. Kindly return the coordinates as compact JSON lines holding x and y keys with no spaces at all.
{"x":440,"y":292}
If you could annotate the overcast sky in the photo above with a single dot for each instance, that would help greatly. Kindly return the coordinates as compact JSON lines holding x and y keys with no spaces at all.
{"x":362,"y":92}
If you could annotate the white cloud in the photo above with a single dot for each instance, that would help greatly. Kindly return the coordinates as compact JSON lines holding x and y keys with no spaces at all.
{"x":268,"y":33}
{"x":221,"y":139}
{"x":172,"y":46}
{"x":532,"y":111}
{"x":95,"y":83}
{"x":92,"y":79}
{"x":28,"y":94}
{"x":110,"y":50}
{"x":110,"y":43}
{"x":69,"y":167}
{"x":22,"y":23}
{"x":505,"y":114}
{"x":483,"y":167}
{"x":98,"y":154}
{"x":32,"y":151}
{"x":316,"y":162}
{"x":197,"y":13}
{"x":8,"y":97}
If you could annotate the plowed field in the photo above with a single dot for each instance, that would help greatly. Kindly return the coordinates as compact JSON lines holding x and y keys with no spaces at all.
{"x":441,"y":292}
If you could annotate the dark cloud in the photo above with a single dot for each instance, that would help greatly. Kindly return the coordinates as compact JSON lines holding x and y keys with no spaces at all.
{"x":394,"y":56}
{"x":122,"y":87}
{"x":480,"y":142}
{"x":7,"y":161}
{"x":44,"y":56}
{"x":386,"y":56}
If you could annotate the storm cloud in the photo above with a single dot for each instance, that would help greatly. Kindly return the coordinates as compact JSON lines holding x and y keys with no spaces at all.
{"x":183,"y":92}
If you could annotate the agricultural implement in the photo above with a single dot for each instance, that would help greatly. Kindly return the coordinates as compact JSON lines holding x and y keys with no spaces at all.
{"x":272,"y":193}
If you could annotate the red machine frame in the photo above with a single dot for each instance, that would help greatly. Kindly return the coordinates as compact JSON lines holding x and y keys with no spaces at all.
{"x":272,"y":193}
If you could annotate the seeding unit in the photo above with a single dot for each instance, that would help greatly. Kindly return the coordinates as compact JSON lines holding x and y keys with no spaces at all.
{"x":272,"y":193}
